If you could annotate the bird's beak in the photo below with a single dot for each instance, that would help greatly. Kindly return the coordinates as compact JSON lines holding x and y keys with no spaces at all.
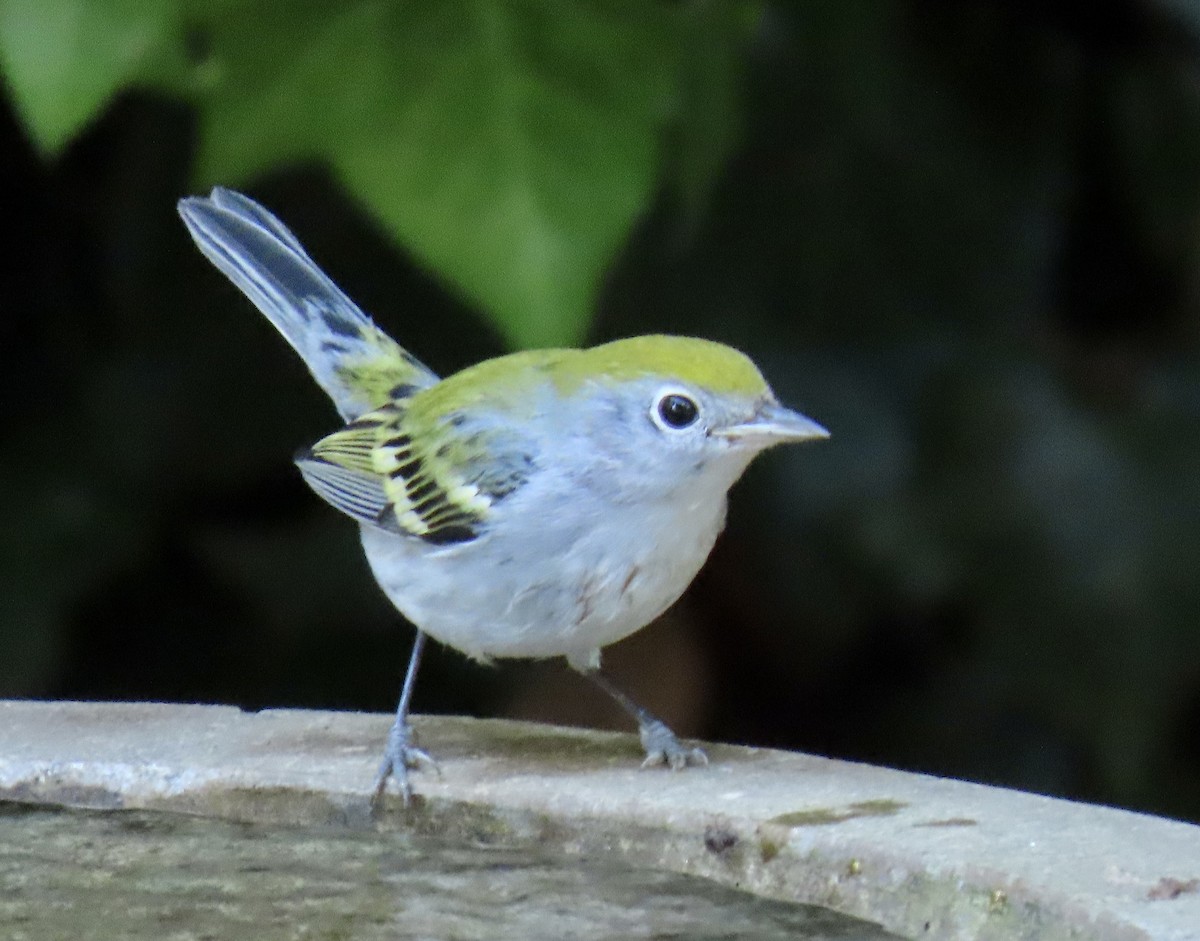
{"x":773,"y":424}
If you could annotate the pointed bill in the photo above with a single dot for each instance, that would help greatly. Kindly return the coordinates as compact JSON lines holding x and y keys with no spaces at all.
{"x":773,"y":424}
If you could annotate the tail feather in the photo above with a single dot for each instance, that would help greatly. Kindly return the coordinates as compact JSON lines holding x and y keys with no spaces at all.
{"x":356,"y":363}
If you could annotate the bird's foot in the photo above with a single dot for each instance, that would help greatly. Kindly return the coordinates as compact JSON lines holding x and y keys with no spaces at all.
{"x":663,"y":748}
{"x":399,"y":756}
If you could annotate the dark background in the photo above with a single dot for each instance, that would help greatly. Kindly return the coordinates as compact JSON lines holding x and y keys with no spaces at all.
{"x":962,"y":235}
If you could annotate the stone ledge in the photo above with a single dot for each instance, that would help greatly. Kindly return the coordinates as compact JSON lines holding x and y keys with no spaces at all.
{"x":923,"y":856}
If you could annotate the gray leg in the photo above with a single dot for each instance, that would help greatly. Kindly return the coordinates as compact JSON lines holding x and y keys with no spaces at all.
{"x":401,"y":753}
{"x":662,"y":747}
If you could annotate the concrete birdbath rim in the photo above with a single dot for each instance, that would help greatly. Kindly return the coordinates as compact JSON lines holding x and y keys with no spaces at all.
{"x":923,"y":856}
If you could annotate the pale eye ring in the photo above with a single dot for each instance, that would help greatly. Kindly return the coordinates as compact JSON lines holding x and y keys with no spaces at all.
{"x":676,"y":411}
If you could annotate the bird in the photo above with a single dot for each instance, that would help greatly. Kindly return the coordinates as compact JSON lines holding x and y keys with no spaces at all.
{"x":543,"y":503}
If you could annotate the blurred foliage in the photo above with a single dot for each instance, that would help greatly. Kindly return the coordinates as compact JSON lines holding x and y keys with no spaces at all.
{"x":962,"y":235}
{"x":511,"y":144}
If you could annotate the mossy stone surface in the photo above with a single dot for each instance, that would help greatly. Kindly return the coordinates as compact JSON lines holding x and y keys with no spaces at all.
{"x":922,"y":856}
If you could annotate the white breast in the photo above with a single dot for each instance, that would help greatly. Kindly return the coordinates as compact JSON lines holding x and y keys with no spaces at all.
{"x":554,"y":584}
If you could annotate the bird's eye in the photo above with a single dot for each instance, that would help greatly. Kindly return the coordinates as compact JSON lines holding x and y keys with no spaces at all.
{"x":677,"y":411}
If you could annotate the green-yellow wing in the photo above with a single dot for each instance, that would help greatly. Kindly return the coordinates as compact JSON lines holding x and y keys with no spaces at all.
{"x":437,"y":481}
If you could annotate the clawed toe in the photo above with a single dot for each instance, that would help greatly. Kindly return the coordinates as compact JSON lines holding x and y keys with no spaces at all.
{"x":677,"y":759}
{"x":419,"y":758}
{"x":663,"y":748}
{"x":400,"y":756}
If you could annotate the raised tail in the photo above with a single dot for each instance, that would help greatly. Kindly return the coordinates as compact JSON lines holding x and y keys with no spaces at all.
{"x":359,"y":365}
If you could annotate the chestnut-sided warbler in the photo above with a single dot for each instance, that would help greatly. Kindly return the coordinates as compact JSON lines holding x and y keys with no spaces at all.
{"x":540,"y":504}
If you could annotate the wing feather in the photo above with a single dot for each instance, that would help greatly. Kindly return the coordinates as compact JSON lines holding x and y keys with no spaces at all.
{"x":356,"y":493}
{"x":437,"y":481}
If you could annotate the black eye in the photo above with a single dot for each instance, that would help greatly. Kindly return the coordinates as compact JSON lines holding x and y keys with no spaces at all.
{"x":677,"y":411}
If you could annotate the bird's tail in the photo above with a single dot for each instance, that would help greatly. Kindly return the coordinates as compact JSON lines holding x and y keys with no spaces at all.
{"x":359,"y":365}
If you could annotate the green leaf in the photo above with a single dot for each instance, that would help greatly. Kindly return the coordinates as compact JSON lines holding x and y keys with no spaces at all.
{"x":65,"y":59}
{"x":510,"y":144}
{"x":717,"y":34}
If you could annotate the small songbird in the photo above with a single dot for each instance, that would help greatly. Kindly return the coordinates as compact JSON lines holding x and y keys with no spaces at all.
{"x":545,"y":503}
